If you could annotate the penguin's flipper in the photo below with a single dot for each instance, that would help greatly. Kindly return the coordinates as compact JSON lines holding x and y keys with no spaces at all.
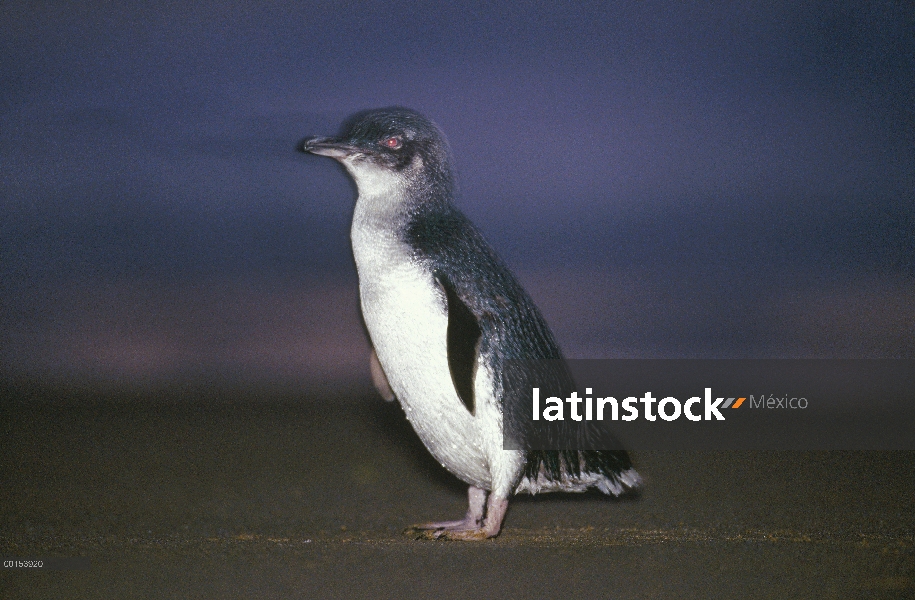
{"x":380,"y":379}
{"x":463,"y":341}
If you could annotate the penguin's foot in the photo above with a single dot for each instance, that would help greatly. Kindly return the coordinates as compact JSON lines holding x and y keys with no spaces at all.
{"x":447,"y":530}
{"x":380,"y":379}
{"x":473,"y":526}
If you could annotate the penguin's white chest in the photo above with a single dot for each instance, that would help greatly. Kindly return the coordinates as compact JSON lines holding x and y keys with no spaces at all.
{"x":406,"y":315}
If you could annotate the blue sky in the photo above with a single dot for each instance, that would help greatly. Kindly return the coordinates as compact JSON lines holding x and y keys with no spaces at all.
{"x":721,"y":176}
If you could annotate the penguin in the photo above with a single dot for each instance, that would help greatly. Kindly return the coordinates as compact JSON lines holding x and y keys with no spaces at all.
{"x":443,"y":314}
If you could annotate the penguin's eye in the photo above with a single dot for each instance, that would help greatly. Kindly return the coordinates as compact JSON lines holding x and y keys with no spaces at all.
{"x":392,"y":142}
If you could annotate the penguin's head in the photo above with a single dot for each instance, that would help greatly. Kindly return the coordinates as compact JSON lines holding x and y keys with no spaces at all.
{"x":394,"y":142}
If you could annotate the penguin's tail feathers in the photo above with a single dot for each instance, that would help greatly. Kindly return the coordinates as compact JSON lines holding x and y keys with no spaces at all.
{"x":610,"y":472}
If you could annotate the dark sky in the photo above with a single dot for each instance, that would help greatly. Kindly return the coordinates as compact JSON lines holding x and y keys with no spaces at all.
{"x":668,"y":178}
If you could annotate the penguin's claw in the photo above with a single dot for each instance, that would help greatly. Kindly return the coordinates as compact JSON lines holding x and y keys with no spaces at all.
{"x":474,"y":535}
{"x":468,"y":528}
{"x":448,"y":530}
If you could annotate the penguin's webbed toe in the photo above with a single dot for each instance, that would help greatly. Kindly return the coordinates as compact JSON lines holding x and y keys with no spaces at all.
{"x":448,"y":530}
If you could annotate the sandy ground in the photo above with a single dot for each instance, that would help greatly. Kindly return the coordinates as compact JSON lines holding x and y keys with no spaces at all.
{"x":270,"y":494}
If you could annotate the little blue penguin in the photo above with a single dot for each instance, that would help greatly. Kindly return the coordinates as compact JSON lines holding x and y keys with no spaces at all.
{"x":444,"y":313}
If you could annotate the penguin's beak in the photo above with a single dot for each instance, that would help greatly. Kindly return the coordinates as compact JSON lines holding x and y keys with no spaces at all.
{"x":326,"y":146}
